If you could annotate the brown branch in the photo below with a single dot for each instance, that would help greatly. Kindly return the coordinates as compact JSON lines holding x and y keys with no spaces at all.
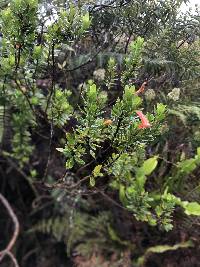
{"x":51,"y":94}
{"x":7,"y":250}
{"x":64,"y":186}
{"x":22,"y":173}
{"x":110,"y":199}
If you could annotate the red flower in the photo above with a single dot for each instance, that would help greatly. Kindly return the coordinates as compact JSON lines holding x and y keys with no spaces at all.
{"x":145,"y":123}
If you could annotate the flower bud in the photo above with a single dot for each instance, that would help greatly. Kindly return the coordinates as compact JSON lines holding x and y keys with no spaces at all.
{"x":107,"y":122}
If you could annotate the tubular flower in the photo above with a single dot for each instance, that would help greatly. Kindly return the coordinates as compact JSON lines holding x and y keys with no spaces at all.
{"x":141,"y":89}
{"x":144,"y":121}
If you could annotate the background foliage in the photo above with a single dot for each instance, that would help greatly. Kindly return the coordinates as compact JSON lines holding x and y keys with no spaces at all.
{"x":99,"y":132}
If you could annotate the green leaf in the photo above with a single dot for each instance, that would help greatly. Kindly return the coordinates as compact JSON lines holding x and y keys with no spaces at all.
{"x":37,"y":51}
{"x":92,"y":181}
{"x":97,"y":171}
{"x":69,"y":163}
{"x":122,"y":194}
{"x":160,"y":108}
{"x":164,"y":248}
{"x":198,"y":151}
{"x":141,"y":180}
{"x":149,"y":166}
{"x":192,"y":208}
{"x":197,"y":157}
{"x":187,"y":166}
{"x":86,"y":21}
{"x":93,"y":89}
{"x":160,"y":111}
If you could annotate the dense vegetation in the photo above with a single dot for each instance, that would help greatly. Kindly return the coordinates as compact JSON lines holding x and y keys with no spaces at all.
{"x":99,"y":133}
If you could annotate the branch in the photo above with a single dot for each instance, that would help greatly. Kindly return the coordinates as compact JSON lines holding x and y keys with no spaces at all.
{"x":7,"y":250}
{"x":62,"y":185}
{"x":110,"y":199}
{"x":73,"y":186}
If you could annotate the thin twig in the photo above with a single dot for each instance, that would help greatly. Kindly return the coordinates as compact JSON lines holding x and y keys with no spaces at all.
{"x":110,"y":199}
{"x":64,"y":185}
{"x":51,"y":94}
{"x":23,"y":174}
{"x":12,"y":257}
{"x":7,"y":250}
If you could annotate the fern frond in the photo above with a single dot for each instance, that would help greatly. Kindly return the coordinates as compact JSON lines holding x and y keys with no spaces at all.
{"x":83,"y":233}
{"x":186,"y":112}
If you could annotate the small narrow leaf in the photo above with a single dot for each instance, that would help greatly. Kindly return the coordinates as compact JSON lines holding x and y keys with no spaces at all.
{"x":198,"y":151}
{"x":86,"y":21}
{"x":97,"y":171}
{"x":60,"y":66}
{"x":60,"y":149}
{"x":122,"y":194}
{"x":92,"y":181}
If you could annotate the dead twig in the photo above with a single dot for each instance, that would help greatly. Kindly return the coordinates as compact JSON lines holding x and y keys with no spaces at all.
{"x":7,"y":250}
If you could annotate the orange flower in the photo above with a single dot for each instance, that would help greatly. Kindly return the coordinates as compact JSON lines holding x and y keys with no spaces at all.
{"x":145,"y":122}
{"x":141,"y":89}
{"x":107,"y":122}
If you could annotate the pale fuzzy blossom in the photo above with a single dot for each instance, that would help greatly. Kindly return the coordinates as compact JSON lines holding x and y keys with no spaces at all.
{"x":197,"y":136}
{"x":174,"y":94}
{"x":150,"y":94}
{"x":99,"y":74}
